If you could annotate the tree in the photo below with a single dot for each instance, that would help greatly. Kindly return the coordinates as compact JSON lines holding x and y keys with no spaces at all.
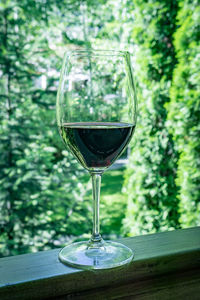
{"x":150,"y":176}
{"x":38,"y":193}
{"x":184,"y":111}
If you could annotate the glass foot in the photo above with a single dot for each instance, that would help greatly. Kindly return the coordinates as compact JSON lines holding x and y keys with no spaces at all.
{"x":86,"y":256}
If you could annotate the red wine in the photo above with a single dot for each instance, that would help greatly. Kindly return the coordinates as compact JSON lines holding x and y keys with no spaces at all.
{"x":96,"y":145}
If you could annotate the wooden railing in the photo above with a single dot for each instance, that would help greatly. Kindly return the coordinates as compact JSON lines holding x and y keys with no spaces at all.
{"x":166,"y":266}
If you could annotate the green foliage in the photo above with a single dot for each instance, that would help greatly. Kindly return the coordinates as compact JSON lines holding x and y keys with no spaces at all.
{"x":150,"y":177}
{"x":41,"y":197}
{"x":41,"y":186}
{"x":184,"y":111}
{"x":42,"y":191}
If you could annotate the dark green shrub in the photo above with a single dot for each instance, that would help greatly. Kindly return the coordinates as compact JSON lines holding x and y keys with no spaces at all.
{"x":150,"y":177}
{"x":184,"y":111}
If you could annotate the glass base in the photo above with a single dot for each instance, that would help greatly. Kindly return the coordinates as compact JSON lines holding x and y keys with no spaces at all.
{"x":86,"y":255}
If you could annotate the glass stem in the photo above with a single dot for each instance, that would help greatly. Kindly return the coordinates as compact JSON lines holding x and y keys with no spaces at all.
{"x":96,"y":185}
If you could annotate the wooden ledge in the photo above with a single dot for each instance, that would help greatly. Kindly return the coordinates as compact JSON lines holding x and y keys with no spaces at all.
{"x":166,"y":266}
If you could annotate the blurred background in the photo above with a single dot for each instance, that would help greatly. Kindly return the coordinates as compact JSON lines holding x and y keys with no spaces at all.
{"x":45,"y":195}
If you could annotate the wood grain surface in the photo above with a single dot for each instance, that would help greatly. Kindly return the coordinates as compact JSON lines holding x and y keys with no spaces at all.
{"x":166,"y":266}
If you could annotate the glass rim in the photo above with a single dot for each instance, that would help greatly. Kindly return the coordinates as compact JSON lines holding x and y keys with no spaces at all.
{"x":96,"y":52}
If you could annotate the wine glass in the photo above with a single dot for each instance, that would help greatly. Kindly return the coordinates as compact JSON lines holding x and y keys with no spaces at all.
{"x":96,"y":115}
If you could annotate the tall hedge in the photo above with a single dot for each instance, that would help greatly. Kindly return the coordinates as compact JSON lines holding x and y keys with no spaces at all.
{"x":184,"y":111}
{"x":150,"y":176}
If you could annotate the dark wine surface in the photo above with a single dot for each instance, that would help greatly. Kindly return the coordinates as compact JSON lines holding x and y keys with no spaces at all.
{"x":96,"y":145}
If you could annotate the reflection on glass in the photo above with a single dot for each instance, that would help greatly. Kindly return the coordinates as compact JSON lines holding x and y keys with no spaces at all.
{"x":96,"y":116}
